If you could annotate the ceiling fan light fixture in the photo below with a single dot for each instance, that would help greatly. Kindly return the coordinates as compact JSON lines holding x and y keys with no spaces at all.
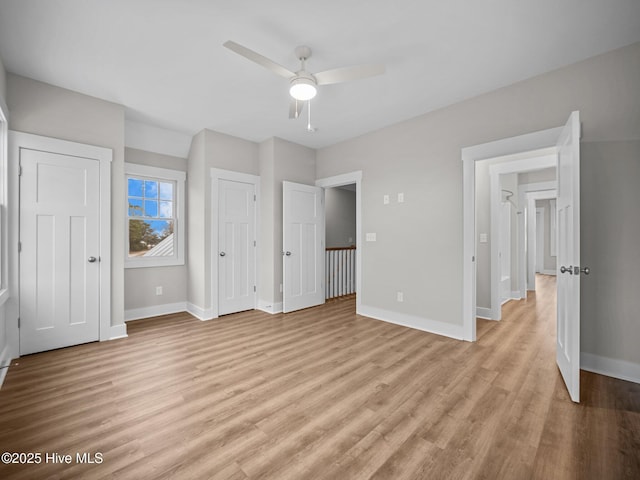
{"x":303,"y":88}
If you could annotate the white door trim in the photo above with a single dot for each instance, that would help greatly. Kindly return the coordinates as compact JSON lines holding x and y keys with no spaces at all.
{"x":545,"y":159}
{"x":544,"y":139}
{"x":217,"y":174}
{"x":17,"y":141}
{"x":531,"y":198}
{"x":339,"y":181}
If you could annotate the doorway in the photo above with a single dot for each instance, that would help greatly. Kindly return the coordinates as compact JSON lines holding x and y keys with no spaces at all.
{"x":340,"y":234}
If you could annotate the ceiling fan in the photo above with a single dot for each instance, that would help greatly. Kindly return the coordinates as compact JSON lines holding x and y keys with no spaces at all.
{"x":303,"y":84}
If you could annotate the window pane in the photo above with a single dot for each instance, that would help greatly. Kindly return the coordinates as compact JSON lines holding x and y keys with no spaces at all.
{"x":151,"y":189}
{"x":150,"y":238}
{"x":135,"y":207}
{"x":150,"y":208}
{"x":166,"y":210}
{"x":135,"y":187}
{"x":166,"y":191}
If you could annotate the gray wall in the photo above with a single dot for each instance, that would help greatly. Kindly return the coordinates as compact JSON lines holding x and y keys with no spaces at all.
{"x":419,"y":247}
{"x":340,"y":212}
{"x":140,"y":283}
{"x":3,"y":83}
{"x":610,"y":229}
{"x":43,"y":109}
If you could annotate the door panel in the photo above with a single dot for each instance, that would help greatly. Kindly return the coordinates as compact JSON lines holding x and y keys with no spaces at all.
{"x":568,"y":241}
{"x":236,"y":258}
{"x":303,"y":245}
{"x":59,"y":231}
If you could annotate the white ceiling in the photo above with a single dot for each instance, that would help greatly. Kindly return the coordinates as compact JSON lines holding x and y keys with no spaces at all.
{"x":164,"y":61}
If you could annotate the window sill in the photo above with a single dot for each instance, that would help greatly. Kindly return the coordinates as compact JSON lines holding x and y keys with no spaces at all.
{"x":156,"y":262}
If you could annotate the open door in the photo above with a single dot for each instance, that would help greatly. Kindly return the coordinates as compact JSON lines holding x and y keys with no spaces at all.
{"x":568,"y":243}
{"x":302,"y":246}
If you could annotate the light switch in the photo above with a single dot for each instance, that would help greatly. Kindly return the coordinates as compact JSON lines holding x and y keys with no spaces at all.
{"x":483,"y":238}
{"x":371,"y":237}
{"x":401,"y":198}
{"x":385,"y":199}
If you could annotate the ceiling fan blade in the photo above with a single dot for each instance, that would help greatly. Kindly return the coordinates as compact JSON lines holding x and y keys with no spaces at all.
{"x":295,"y":108}
{"x":347,"y":74}
{"x":259,"y":59}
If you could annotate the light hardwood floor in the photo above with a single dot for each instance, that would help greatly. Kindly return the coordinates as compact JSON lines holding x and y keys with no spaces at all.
{"x":320,"y":394}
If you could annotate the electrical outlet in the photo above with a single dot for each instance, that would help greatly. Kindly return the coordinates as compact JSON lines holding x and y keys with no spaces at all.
{"x":400,"y":296}
{"x":483,"y":238}
{"x":158,"y":290}
{"x":385,"y":199}
{"x":401,"y":198}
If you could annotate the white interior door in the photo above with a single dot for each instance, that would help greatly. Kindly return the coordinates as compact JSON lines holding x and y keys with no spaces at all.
{"x":237,"y":246}
{"x":568,"y":243}
{"x":539,"y":240}
{"x":59,"y":258}
{"x":303,"y":246}
{"x":505,"y":251}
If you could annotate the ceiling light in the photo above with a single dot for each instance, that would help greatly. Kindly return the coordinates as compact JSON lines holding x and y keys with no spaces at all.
{"x":303,"y":88}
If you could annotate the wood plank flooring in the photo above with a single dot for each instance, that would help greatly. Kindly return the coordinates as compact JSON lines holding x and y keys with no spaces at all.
{"x":320,"y":394}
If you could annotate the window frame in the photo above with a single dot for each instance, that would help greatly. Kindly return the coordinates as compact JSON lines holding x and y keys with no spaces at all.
{"x":146,"y":172}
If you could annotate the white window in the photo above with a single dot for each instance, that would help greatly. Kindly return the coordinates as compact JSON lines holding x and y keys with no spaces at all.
{"x":155,"y":216}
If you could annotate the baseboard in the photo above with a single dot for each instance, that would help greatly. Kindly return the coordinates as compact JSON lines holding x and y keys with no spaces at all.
{"x":411,"y":321}
{"x":5,"y":361}
{"x":548,"y":272}
{"x":154,"y":311}
{"x":482,"y":312}
{"x":268,"y":307}
{"x":200,"y":313}
{"x":118,"y":331}
{"x":515,"y":295}
{"x":611,"y":367}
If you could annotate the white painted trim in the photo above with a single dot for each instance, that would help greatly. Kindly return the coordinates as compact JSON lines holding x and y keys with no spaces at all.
{"x":117,"y":331}
{"x":482,"y":312}
{"x":338,"y":181}
{"x":217,"y":174}
{"x":17,"y":141}
{"x":154,"y":311}
{"x":179,"y":240}
{"x":611,"y":367}
{"x":532,"y":163}
{"x":155,"y":139}
{"x":515,"y":295}
{"x":419,"y":323}
{"x":269,"y":307}
{"x":200,"y":313}
{"x":5,"y":361}
{"x":518,"y":147}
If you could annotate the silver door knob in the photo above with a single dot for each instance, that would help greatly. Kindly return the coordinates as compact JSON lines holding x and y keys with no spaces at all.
{"x":585,"y":270}
{"x":568,"y":270}
{"x":91,"y":259}
{"x":288,"y":254}
{"x":222,"y":254}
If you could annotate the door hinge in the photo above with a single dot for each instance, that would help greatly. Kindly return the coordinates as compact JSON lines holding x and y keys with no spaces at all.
{"x":19,"y":247}
{"x":19,"y":170}
{"x":254,"y":243}
{"x":254,"y":288}
{"x":254,"y":198}
{"x":18,"y":322}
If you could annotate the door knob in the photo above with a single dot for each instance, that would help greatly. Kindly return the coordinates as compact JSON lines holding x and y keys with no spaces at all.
{"x":222,"y":254}
{"x":91,"y":259}
{"x":288,"y":254}
{"x":568,"y":270}
{"x":585,"y":270}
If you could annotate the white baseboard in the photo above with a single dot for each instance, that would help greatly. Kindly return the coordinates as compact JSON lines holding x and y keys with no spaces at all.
{"x":482,"y":312}
{"x":548,"y":272}
{"x":200,"y":313}
{"x":515,"y":295}
{"x":118,"y":331}
{"x":268,"y":307}
{"x":611,"y":367}
{"x":5,"y":361}
{"x":411,"y":321}
{"x":154,"y":311}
